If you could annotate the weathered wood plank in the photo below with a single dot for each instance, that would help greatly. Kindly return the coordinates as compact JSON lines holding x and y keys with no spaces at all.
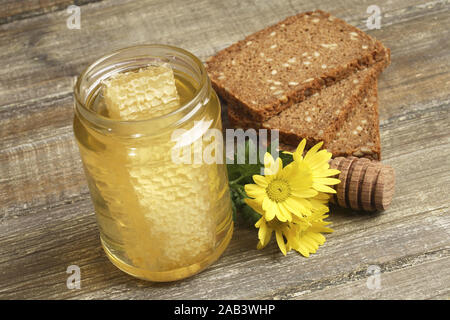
{"x":417,"y":277}
{"x":16,"y":10}
{"x":42,"y":172}
{"x":39,"y":271}
{"x":29,"y":122}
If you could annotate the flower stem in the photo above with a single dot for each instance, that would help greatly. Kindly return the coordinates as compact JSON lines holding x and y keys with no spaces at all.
{"x":237,"y":180}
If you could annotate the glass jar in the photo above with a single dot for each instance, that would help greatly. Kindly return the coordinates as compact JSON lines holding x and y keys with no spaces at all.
{"x":162,"y":216}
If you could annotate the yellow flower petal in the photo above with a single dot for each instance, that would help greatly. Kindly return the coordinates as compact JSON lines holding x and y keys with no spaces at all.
{"x":268,"y":160}
{"x":298,"y":154}
{"x":280,"y":216}
{"x":323,"y":197}
{"x":260,"y":180}
{"x":319,"y":238}
{"x":280,"y":242}
{"x":264,"y":235}
{"x":278,"y":167}
{"x":262,"y":230}
{"x":321,"y":229}
{"x":319,"y":160}
{"x":259,"y":246}
{"x":291,"y":208}
{"x":327,"y":181}
{"x":270,"y":209}
{"x":255,"y":204}
{"x":330,"y":181}
{"x":282,"y":209}
{"x":268,"y":164}
{"x":254,"y":190}
{"x":301,"y":205}
{"x":302,"y":249}
{"x":272,"y":167}
{"x":327,"y":173}
{"x":306,"y":193}
{"x":318,"y":206}
{"x":323,"y":188}
{"x":310,"y":242}
{"x":311,"y":152}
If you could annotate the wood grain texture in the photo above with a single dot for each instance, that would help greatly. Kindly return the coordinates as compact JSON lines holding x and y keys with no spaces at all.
{"x":46,"y":216}
{"x":365,"y":184}
{"x":13,"y":10}
{"x":384,"y":188}
{"x":356,"y":181}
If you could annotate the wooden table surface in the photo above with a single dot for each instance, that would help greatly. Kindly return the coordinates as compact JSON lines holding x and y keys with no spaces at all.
{"x":46,"y":215}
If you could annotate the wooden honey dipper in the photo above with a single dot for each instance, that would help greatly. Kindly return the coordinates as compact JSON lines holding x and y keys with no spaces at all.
{"x":365,"y":185}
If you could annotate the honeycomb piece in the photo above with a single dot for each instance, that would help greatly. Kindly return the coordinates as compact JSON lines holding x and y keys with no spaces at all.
{"x":139,"y":95}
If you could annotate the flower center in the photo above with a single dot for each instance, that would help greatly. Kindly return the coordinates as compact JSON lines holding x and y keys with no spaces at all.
{"x":278,"y":190}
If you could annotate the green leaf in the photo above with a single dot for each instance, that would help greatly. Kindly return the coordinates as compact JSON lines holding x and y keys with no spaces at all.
{"x":239,"y":175}
{"x":286,"y":158}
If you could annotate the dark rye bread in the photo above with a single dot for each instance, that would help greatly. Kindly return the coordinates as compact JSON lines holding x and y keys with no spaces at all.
{"x":273,"y":68}
{"x":319,"y":117}
{"x":358,"y":136}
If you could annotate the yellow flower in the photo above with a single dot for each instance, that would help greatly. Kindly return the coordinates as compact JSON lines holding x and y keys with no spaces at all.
{"x":307,"y":237}
{"x":282,"y":229}
{"x":301,"y":234}
{"x":292,"y":201}
{"x":281,"y":192}
{"x":317,"y":161}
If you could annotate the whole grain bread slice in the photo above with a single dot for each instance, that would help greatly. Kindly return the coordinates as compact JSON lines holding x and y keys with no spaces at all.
{"x":319,"y":117}
{"x":283,"y":64}
{"x":359,"y":135}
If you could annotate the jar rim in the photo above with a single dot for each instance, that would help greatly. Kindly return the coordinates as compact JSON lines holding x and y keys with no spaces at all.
{"x":193,"y":103}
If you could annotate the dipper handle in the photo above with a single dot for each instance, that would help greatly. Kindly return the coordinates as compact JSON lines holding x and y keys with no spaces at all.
{"x":365,"y":185}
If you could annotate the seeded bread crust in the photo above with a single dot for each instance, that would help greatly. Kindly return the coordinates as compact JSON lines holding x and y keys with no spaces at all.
{"x":359,"y":135}
{"x":283,"y":64}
